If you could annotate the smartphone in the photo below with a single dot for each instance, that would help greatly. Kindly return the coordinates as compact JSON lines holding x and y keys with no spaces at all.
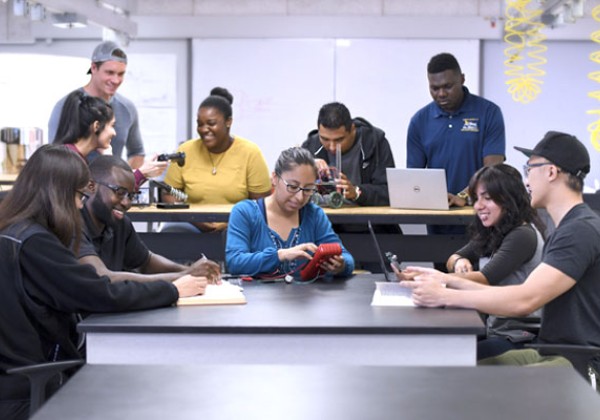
{"x":393,"y":260}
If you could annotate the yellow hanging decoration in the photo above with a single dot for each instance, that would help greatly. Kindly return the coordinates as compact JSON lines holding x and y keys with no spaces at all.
{"x":594,"y":128}
{"x":522,"y":33}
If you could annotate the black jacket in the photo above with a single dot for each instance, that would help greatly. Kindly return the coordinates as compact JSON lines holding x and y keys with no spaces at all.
{"x":376,"y":155}
{"x":43,"y":286}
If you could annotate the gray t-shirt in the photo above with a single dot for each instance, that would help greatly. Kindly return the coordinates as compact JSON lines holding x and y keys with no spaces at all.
{"x":574,"y":249}
{"x":520,"y":252}
{"x":127,"y":126}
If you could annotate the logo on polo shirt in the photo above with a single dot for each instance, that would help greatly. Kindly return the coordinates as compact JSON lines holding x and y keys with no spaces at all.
{"x":470,"y":125}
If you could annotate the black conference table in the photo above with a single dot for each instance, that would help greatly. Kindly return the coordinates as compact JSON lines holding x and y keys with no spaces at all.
{"x":322,"y":392}
{"x":327,"y":322}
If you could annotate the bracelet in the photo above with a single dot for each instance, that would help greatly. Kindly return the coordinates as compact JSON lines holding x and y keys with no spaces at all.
{"x":455,"y":261}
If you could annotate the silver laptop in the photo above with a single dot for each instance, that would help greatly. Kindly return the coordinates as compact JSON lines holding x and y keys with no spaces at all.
{"x":422,"y":189}
{"x":389,"y":275}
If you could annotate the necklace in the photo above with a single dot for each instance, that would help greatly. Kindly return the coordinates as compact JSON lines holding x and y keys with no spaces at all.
{"x":214,"y":169}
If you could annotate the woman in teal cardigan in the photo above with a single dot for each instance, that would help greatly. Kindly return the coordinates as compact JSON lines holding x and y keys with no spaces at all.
{"x":277,"y":235}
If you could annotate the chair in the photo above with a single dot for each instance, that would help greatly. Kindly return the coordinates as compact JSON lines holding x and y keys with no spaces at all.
{"x":580,"y":355}
{"x":39,"y":376}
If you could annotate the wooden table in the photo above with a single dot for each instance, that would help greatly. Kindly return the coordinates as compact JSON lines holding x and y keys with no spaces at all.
{"x":7,"y":179}
{"x":437,"y":248}
{"x":350,"y":215}
{"x":99,"y":392}
{"x":327,"y":322}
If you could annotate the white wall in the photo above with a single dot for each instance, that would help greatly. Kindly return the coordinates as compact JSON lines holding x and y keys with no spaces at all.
{"x":35,"y":76}
{"x":562,"y":104}
{"x":279,"y":85}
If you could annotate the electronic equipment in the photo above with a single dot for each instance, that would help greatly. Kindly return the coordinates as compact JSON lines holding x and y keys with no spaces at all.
{"x":417,"y":188}
{"x":178,"y":157}
{"x":393,"y":259}
{"x":323,"y":253}
{"x":327,"y":194}
{"x":331,"y":199}
{"x":179,"y":195}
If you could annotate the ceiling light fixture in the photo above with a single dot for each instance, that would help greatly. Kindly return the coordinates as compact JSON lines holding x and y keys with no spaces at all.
{"x":68,"y":20}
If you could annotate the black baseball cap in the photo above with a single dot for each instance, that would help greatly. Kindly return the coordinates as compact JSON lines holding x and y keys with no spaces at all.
{"x":108,"y":51}
{"x":564,"y":150}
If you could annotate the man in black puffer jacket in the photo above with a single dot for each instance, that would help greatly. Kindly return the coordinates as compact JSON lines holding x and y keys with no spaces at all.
{"x":365,"y":155}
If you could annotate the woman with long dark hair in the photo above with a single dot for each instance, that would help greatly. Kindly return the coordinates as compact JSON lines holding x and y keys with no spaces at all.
{"x":42,"y":282}
{"x":87,"y":125}
{"x":505,"y":242}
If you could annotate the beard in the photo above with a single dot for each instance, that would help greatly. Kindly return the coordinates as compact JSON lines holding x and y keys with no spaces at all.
{"x":103,"y":213}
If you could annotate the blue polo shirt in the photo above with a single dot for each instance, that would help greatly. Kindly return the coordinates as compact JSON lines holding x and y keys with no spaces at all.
{"x":456,"y":142}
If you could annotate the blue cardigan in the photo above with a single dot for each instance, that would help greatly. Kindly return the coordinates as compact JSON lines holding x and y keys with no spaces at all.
{"x":252,"y":246}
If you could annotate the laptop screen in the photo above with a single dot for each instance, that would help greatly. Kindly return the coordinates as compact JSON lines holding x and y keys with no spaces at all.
{"x":415,"y":188}
{"x":389,"y":276}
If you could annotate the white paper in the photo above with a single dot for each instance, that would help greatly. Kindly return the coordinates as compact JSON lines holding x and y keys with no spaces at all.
{"x":391,"y":294}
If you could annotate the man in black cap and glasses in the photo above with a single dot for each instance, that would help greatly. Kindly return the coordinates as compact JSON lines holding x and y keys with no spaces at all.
{"x":567,"y":281}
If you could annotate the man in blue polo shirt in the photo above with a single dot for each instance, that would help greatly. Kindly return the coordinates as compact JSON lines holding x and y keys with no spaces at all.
{"x":458,"y":131}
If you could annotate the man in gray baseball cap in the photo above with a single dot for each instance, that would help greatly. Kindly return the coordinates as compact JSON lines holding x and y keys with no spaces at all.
{"x":108,"y":51}
{"x":567,"y":281}
{"x":107,"y":70}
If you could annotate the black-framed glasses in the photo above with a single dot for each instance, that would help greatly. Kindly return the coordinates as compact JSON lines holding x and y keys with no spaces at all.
{"x":527,"y":167}
{"x":120,"y":192}
{"x":295,"y":189}
{"x":83,"y":196}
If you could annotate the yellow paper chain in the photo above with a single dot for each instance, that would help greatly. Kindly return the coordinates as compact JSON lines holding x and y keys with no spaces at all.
{"x":522,"y":33}
{"x":594,"y":128}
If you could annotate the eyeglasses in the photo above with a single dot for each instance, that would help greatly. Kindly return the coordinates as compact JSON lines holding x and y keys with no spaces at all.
{"x":527,"y":167}
{"x":120,"y":192}
{"x":294,"y":189}
{"x":83,"y":196}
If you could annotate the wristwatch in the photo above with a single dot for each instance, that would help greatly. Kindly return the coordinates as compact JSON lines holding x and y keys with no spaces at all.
{"x":357,"y":191}
{"x":465,"y":196}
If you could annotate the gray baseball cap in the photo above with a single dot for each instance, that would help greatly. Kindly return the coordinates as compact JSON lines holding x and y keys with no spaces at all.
{"x":108,"y":51}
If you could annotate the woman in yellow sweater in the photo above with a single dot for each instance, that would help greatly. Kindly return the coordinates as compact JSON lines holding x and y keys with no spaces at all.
{"x":220,"y":168}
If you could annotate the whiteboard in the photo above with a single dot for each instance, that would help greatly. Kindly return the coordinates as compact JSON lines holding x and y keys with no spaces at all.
{"x":562,"y":104}
{"x":385,"y":80}
{"x":279,"y":85}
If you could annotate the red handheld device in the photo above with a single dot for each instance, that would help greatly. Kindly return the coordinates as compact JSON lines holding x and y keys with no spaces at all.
{"x":324,"y":252}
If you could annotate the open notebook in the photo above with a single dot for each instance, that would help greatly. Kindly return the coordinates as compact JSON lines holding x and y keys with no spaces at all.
{"x":222,"y":294}
{"x":391,"y":294}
